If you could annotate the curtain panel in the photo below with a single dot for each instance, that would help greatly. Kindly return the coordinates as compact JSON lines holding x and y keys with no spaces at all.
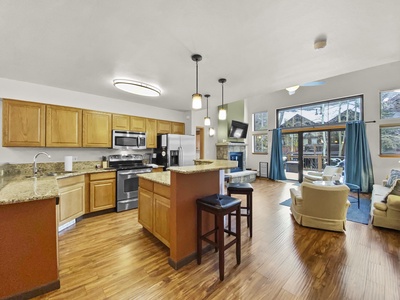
{"x":277,"y":171}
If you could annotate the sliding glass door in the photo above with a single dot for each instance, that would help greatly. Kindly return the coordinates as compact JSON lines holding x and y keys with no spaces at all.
{"x":311,"y":151}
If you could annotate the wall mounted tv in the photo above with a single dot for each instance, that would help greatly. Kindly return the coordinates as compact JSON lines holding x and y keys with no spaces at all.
{"x":238,"y":130}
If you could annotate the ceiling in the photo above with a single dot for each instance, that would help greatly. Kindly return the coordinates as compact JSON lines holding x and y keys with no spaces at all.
{"x":261,"y":46}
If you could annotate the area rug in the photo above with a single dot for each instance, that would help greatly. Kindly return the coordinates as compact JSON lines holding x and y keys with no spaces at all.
{"x":353,"y":213}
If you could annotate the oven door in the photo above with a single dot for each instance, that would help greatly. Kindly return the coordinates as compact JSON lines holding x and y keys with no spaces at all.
{"x":128,"y":188}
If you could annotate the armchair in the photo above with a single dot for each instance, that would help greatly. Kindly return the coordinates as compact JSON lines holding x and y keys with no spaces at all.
{"x":322,"y":207}
{"x":326,"y":175}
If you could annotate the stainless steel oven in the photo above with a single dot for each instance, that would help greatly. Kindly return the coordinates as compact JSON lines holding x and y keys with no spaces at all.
{"x":128,"y":188}
{"x":128,"y":167}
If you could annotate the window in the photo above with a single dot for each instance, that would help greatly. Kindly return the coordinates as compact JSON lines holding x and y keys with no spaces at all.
{"x":260,"y":143}
{"x":390,"y":104}
{"x":260,"y":121}
{"x":324,"y":113}
{"x":390,"y":140}
{"x":260,"y":139}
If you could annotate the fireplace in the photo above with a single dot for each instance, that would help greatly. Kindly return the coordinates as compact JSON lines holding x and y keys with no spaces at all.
{"x":237,"y":156}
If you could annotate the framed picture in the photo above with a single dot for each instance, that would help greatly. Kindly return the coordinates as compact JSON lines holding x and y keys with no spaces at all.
{"x":390,"y":104}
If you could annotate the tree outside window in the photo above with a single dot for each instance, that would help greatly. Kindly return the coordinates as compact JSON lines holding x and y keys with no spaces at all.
{"x":390,"y":104}
{"x":260,"y":121}
{"x":390,"y":140}
{"x":260,"y":143}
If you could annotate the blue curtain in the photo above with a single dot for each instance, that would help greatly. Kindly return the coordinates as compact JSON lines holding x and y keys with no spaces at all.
{"x":358,"y":164}
{"x":277,"y":171}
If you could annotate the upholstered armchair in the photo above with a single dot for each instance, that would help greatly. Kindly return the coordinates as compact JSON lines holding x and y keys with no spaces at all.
{"x":318,"y":206}
{"x":326,"y":175}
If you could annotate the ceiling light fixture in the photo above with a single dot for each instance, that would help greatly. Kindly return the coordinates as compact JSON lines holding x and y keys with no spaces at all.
{"x":211,"y":131}
{"x":291,"y":90}
{"x":137,"y":87}
{"x":222,"y":110}
{"x":207,"y":120}
{"x":196,"y":98}
{"x":320,"y":44}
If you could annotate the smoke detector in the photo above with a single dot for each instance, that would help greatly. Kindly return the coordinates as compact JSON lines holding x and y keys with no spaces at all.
{"x":319,"y":44}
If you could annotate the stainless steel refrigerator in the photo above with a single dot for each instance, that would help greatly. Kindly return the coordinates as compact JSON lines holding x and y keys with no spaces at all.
{"x":176,"y":150}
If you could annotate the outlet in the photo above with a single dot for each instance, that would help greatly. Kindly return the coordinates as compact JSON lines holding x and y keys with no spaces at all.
{"x":74,"y":158}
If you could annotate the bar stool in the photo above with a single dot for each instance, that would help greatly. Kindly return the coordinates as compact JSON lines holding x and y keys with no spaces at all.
{"x":219,"y":206}
{"x":243,"y":189}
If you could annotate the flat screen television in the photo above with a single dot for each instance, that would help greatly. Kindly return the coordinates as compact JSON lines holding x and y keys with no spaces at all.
{"x":238,"y":130}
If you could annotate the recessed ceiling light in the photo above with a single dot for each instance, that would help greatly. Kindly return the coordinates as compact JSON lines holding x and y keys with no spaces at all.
{"x":137,"y":87}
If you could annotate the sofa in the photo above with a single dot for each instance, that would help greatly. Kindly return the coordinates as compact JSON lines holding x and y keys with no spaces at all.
{"x":385,"y":202}
{"x":318,"y":206}
{"x":326,"y":175}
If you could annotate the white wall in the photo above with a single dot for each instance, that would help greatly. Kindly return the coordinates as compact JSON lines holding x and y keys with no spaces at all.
{"x":367,"y":82}
{"x":38,"y":93}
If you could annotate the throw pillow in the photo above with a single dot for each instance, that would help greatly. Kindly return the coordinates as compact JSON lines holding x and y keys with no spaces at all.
{"x":395,"y":190}
{"x":394,"y":175}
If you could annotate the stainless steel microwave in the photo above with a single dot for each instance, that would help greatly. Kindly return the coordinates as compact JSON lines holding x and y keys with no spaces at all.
{"x":128,"y":140}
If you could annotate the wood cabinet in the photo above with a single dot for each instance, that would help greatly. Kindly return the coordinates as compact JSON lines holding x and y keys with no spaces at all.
{"x":151,"y":133}
{"x":63,"y":126}
{"x":163,"y":126}
{"x":177,"y":128}
{"x":102,"y":191}
{"x":96,"y":129}
{"x":138,"y":124}
{"x":72,"y":198}
{"x":154,"y":209}
{"x":120,"y":122}
{"x":23,"y":124}
{"x":158,"y":169}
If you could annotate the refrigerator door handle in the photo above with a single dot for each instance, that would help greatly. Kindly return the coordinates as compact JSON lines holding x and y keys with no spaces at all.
{"x":180,"y":149}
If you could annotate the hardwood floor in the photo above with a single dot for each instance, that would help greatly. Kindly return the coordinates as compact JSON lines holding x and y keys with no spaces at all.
{"x":113,"y":257}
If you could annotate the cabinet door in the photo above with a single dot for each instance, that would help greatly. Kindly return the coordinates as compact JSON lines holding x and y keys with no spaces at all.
{"x":138,"y":124}
{"x":23,"y":124}
{"x":146,"y":209}
{"x":161,"y":227}
{"x":163,"y":126}
{"x":72,"y":199}
{"x":63,"y":126}
{"x":96,"y":129}
{"x":102,"y":194}
{"x":120,"y":122}
{"x":177,"y":128}
{"x":151,"y":134}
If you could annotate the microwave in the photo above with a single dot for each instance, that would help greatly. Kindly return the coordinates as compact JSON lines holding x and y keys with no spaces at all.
{"x":128,"y":140}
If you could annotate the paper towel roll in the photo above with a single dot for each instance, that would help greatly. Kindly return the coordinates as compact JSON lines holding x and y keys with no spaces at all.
{"x":68,"y":163}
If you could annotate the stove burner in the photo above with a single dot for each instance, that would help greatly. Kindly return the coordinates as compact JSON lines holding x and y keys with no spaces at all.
{"x":126,"y":162}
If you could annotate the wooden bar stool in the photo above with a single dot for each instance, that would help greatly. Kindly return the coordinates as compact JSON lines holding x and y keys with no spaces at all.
{"x":243,"y":189}
{"x":219,"y":206}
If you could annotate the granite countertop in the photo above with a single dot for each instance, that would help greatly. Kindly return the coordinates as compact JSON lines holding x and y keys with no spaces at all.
{"x":25,"y":188}
{"x":205,"y":165}
{"x":159,"y":177}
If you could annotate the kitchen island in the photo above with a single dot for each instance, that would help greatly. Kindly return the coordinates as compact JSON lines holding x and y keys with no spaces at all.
{"x":178,"y":215}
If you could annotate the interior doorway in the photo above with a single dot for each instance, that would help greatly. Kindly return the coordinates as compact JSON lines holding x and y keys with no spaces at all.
{"x":199,"y":142}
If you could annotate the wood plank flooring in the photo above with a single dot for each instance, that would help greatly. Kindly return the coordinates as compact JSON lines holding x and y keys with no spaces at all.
{"x":113,"y":257}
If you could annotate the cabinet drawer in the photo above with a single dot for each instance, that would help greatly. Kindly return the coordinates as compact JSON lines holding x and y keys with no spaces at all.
{"x":162,"y":190}
{"x":101,"y":176}
{"x":146,"y":184}
{"x":62,"y":182}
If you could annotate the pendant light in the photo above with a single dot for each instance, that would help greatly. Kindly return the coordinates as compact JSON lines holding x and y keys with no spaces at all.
{"x":196,"y":98}
{"x":222,"y":110}
{"x":207,"y":120}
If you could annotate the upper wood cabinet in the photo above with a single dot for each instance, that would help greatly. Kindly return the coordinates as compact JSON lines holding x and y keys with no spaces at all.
{"x":96,"y":129}
{"x":23,"y":124}
{"x":177,"y":128}
{"x":151,"y":133}
{"x":138,"y":124}
{"x":120,"y":122}
{"x":163,"y":126}
{"x":63,"y":126}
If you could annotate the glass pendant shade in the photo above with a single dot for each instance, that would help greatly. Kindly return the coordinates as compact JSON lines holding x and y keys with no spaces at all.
{"x":211,"y":131}
{"x":222,"y":114}
{"x":207,"y":121}
{"x":196,"y":101}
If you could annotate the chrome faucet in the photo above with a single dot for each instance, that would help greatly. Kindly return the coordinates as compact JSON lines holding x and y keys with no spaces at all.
{"x":35,"y":169}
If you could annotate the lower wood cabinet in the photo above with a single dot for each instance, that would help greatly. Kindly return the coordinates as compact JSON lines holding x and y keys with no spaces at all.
{"x":154,"y":209}
{"x":72,"y":198}
{"x":102,"y":191}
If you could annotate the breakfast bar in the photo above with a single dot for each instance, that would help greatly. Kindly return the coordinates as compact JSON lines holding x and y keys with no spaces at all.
{"x":185,"y":185}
